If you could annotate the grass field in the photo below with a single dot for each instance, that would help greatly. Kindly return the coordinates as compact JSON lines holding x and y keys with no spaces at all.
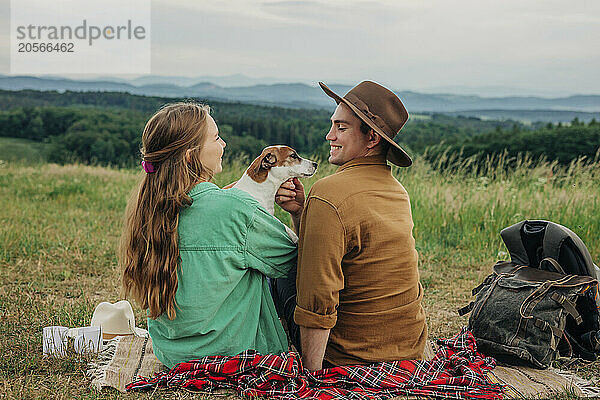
{"x":59,"y":226}
{"x":14,"y":149}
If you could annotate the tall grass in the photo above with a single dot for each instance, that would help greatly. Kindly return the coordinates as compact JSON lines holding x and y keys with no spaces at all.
{"x":466,"y":206}
{"x":59,"y":226}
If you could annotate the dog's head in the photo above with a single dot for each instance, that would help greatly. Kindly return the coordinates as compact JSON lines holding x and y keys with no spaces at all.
{"x":281,"y":163}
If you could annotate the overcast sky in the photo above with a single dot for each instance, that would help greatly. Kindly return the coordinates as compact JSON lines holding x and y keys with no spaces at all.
{"x":543,"y":45}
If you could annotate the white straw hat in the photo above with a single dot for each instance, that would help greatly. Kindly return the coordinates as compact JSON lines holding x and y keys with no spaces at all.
{"x":115,"y":319}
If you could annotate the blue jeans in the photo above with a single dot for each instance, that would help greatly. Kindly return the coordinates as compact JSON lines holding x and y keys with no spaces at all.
{"x":283,"y":291}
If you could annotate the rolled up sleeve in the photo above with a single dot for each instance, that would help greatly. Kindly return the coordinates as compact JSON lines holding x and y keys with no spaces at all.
{"x":320,"y":278}
{"x":269,"y":248}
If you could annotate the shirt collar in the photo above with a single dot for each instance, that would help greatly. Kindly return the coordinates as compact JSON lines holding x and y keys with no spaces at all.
{"x":378,"y":159}
{"x":202,"y":187}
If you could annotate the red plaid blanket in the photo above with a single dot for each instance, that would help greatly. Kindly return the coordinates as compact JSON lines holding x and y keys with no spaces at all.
{"x":457,"y":371}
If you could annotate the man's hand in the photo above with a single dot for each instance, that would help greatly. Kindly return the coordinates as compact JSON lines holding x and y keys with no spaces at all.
{"x":290,"y":196}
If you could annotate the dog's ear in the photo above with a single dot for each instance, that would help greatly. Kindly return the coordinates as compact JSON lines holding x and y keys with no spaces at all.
{"x":268,"y":161}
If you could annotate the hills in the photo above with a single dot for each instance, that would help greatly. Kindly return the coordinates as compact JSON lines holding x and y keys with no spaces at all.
{"x":104,"y":128}
{"x":300,"y":95}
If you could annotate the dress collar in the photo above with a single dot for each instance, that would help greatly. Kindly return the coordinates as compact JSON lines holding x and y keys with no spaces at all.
{"x":378,"y":159}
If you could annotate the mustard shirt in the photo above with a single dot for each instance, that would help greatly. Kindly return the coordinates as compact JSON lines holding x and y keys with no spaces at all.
{"x":357,"y":266}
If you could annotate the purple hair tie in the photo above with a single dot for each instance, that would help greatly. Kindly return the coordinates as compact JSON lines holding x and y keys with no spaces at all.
{"x":148,"y":167}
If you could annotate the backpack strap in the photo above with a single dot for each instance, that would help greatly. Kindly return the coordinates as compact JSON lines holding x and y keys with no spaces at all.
{"x":489,"y":279}
{"x":554,"y":239}
{"x":466,"y":309}
{"x":579,"y":349}
{"x":568,"y":305}
{"x":469,"y":307}
{"x":555,"y":264}
{"x":557,"y":333}
{"x":512,"y":239}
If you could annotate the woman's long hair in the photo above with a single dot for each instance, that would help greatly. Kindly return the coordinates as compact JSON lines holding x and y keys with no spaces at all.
{"x":149,"y":249}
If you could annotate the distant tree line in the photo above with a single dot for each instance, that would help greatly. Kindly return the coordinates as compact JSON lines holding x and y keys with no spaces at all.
{"x":105,"y":128}
{"x":563,"y":143}
{"x":85,"y":135}
{"x":433,"y":129}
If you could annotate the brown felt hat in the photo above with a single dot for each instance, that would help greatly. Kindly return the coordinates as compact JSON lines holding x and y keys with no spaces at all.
{"x":382,"y":110}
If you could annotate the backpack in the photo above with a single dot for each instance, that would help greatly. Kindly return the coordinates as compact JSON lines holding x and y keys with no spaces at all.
{"x":543,"y":302}
{"x":529,"y":242}
{"x":520,"y":313}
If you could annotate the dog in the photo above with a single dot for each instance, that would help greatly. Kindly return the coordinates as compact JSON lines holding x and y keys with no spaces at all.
{"x":275,"y":165}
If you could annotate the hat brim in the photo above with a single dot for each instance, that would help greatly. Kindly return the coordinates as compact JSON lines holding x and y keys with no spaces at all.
{"x":396,"y":155}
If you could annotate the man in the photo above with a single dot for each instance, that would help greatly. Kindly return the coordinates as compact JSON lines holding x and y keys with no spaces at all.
{"x":358,"y":291}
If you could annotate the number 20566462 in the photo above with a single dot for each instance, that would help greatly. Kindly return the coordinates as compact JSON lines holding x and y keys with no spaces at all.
{"x":46,"y":47}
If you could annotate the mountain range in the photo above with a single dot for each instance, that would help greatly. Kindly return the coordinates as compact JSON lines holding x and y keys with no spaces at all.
{"x":300,"y":95}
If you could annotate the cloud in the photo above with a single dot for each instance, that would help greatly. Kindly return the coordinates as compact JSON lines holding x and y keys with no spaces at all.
{"x":407,"y":44}
{"x":332,"y":14}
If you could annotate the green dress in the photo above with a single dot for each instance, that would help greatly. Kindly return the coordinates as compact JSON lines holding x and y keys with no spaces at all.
{"x":228,"y":245}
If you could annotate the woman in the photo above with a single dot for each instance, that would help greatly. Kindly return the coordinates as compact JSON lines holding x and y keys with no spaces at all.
{"x":197,"y":257}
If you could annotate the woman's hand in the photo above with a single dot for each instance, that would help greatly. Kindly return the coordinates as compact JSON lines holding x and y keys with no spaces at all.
{"x":290,"y":196}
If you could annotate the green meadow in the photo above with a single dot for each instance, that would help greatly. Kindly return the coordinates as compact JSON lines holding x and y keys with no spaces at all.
{"x":59,"y":227}
{"x":22,"y":150}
